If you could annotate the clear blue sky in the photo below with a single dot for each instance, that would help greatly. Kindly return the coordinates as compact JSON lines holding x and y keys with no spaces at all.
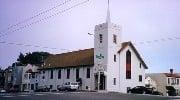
{"x":141,"y":20}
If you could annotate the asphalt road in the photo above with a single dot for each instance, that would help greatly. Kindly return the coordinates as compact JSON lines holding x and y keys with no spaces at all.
{"x":80,"y":96}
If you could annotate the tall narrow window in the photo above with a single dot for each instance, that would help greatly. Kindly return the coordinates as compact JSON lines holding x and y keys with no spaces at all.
{"x":88,"y":73}
{"x":114,"y":58}
{"x":114,"y":81}
{"x":51,"y":74}
{"x":77,"y":73}
{"x":168,"y":80}
{"x":100,"y":38}
{"x":140,"y":78}
{"x":128,"y":65}
{"x":59,"y":74}
{"x":140,"y":65}
{"x":68,"y":73}
{"x":114,"y":38}
{"x":177,"y":82}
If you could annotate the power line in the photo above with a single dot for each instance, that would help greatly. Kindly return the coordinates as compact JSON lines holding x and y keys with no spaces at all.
{"x":29,"y":45}
{"x":46,"y":18}
{"x":37,"y":15}
{"x":158,"y":40}
{"x":45,"y":47}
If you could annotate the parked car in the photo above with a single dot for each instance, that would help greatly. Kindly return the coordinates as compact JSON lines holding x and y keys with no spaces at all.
{"x":69,"y":86}
{"x":2,"y":91}
{"x":141,"y":90}
{"x":157,"y":93}
{"x":42,"y":89}
{"x":171,"y":90}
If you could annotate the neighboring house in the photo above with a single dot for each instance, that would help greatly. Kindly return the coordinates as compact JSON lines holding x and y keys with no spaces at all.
{"x":29,"y":77}
{"x":13,"y":77}
{"x":17,"y":76}
{"x":2,"y":78}
{"x":8,"y":78}
{"x":165,"y":79}
{"x":111,"y":65}
{"x":150,"y":83}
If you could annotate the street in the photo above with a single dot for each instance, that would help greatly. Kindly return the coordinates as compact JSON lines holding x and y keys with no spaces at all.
{"x":80,"y":96}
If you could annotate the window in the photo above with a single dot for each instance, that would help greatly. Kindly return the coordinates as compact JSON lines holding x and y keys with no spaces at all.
{"x":33,"y":75}
{"x":36,"y":86}
{"x":51,"y":86}
{"x":140,"y":65}
{"x":43,"y":77}
{"x":29,"y":75}
{"x":168,"y":80}
{"x":114,"y":81}
{"x":88,"y":73}
{"x":43,"y":72}
{"x":114,"y":58}
{"x":32,"y":86}
{"x":51,"y":74}
{"x":59,"y":74}
{"x":100,"y":38}
{"x":114,"y":38}
{"x":68,"y":73}
{"x":140,"y":78}
{"x":128,"y":65}
{"x":77,"y":73}
{"x":177,"y":81}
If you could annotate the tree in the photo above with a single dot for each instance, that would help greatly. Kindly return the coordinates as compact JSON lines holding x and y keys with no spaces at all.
{"x":33,"y":58}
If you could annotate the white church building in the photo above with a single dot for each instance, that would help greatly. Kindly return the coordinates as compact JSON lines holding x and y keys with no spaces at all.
{"x":110,"y":66}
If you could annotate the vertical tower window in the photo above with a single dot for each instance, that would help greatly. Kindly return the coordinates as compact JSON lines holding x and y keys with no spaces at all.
{"x":114,"y":81}
{"x":100,"y":38}
{"x":77,"y":73}
{"x":140,"y":78}
{"x":68,"y":73}
{"x":140,"y":65}
{"x":128,"y":65}
{"x":59,"y":74}
{"x":114,"y":58}
{"x":114,"y":38}
{"x":88,"y":73}
{"x":51,"y":77}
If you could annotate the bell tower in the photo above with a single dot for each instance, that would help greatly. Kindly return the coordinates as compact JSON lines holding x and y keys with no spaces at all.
{"x":106,"y":44}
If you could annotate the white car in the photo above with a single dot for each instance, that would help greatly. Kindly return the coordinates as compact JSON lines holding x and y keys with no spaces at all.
{"x":2,"y":91}
{"x":69,"y":86}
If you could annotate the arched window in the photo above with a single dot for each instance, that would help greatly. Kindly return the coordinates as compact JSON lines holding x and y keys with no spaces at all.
{"x":128,"y":65}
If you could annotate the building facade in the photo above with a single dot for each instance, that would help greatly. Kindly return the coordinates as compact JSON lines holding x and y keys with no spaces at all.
{"x":111,"y":65}
{"x":163,"y":80}
{"x":29,"y":78}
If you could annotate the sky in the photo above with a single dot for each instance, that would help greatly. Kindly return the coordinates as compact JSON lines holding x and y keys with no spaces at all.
{"x":152,"y":25}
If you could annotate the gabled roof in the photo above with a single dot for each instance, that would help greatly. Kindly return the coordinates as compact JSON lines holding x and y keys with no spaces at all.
{"x":70,"y":59}
{"x":172,"y":75}
{"x":125,"y":44}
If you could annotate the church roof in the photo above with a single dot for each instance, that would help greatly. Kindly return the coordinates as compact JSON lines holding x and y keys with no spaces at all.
{"x":125,"y":44}
{"x":79,"y":58}
{"x":70,"y":59}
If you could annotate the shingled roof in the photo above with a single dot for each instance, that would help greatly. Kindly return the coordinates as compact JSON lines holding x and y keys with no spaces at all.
{"x":70,"y":59}
{"x":80,"y":58}
{"x":125,"y":44}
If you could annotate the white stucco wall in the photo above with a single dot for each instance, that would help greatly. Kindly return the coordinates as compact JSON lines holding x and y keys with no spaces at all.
{"x":108,"y":49}
{"x":55,"y":81}
{"x":135,"y":71}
